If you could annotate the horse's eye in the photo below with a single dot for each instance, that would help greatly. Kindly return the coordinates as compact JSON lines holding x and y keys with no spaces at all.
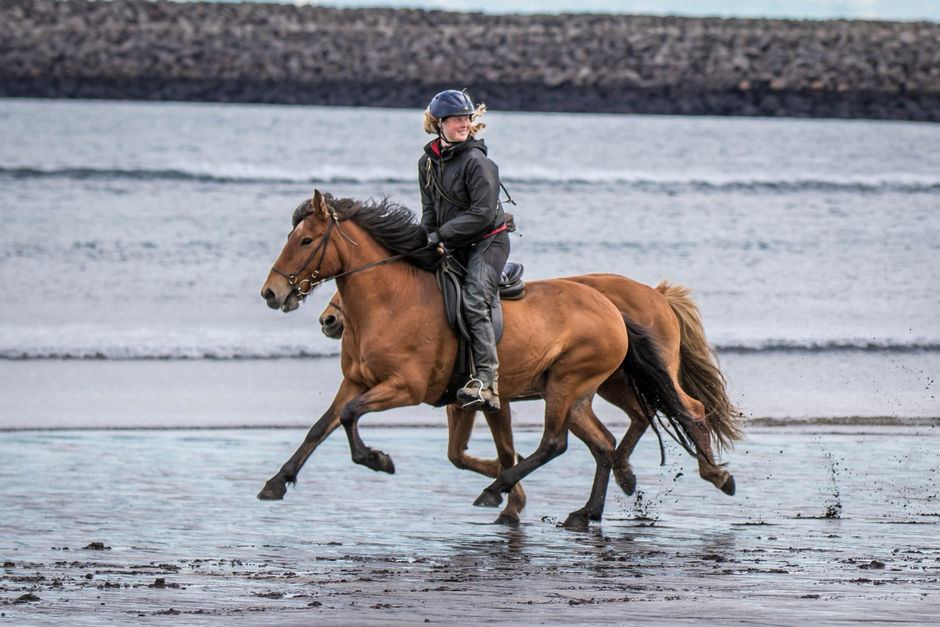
{"x":307,"y":241}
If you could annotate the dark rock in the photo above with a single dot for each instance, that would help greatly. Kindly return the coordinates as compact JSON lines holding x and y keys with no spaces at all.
{"x":169,"y":612}
{"x":225,"y":52}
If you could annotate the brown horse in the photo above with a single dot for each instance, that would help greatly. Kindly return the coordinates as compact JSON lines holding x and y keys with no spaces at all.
{"x":560,"y":343}
{"x":459,"y":426}
{"x":675,"y":324}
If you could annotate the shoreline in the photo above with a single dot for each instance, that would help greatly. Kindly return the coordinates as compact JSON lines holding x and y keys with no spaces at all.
{"x":826,"y":390}
{"x":838,"y":423}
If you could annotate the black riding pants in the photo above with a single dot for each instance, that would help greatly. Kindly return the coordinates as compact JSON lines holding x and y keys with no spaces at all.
{"x":484,"y":262}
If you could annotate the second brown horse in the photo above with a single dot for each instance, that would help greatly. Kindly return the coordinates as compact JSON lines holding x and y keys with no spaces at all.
{"x":674,"y":322}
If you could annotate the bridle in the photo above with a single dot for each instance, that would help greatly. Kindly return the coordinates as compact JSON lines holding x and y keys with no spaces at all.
{"x":305,"y":286}
{"x":313,"y":280}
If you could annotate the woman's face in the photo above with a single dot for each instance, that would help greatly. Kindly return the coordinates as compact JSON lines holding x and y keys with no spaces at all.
{"x":456,"y":128}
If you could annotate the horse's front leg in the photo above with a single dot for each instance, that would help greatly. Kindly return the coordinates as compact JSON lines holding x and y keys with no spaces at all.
{"x":276,"y":486}
{"x":459,"y":428}
{"x":500,"y":424}
{"x":385,"y":395}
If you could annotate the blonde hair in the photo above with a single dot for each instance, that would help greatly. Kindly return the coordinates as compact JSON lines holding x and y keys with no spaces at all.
{"x":433,"y":126}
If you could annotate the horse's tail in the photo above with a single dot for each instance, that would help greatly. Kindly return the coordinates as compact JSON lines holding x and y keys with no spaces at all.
{"x":653,"y":387}
{"x":699,"y":373}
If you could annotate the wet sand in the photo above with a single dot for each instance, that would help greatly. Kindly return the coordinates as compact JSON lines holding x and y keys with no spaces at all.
{"x":67,"y":394}
{"x":830,"y":524}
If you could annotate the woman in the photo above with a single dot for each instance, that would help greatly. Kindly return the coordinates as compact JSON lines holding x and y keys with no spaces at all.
{"x":461,"y":211}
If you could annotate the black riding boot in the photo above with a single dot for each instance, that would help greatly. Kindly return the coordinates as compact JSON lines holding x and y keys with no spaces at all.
{"x":481,"y":286}
{"x":482,"y":389}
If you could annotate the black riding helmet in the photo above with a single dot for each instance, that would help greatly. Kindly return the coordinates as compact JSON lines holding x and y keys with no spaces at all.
{"x":450,"y":102}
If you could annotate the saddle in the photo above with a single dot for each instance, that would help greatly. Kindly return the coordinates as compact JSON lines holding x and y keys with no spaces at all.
{"x":450,"y":282}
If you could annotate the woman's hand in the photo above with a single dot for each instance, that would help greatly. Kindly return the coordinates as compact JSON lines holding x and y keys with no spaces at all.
{"x":434,"y":241}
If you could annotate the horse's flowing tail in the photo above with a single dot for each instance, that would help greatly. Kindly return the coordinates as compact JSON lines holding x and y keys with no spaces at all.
{"x":654,"y":389}
{"x":699,"y":374}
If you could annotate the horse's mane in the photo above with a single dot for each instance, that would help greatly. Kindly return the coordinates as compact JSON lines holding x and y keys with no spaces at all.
{"x":392,"y":225}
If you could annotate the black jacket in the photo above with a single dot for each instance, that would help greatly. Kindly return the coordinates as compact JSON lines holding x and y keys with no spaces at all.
{"x":468,"y":176}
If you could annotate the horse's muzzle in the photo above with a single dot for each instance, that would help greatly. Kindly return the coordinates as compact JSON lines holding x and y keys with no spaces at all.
{"x":332,"y":326}
{"x":270,"y":298}
{"x":288,"y":304}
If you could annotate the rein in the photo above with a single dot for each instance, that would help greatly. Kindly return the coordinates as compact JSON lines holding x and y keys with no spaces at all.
{"x":434,"y":176}
{"x":314,"y":280}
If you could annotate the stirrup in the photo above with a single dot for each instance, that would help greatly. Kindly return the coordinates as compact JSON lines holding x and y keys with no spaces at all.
{"x":470,"y":397}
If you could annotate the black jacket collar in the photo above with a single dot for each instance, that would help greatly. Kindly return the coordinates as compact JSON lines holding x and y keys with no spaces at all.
{"x":438,"y":151}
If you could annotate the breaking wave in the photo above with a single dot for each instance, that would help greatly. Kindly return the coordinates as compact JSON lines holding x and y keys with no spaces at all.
{"x":241,"y":175}
{"x":328,"y":349}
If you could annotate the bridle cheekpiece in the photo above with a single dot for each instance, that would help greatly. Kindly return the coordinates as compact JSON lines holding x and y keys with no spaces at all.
{"x":307,"y":285}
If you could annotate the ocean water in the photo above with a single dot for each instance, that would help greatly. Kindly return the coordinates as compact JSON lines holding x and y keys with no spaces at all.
{"x":137,"y":232}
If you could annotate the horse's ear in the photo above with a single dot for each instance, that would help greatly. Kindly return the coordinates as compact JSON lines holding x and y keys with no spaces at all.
{"x":319,"y":204}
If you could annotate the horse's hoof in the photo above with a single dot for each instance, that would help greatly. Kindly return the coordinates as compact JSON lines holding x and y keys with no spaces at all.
{"x":273,"y":491}
{"x":577,"y":521}
{"x":381,"y":462}
{"x":488,"y":498}
{"x":516,"y":499}
{"x":626,"y":480}
{"x":728,"y":486}
{"x":510,"y":520}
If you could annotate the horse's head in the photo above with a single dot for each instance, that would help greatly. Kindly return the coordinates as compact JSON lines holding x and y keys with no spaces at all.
{"x":308,"y":257}
{"x":331,"y":320}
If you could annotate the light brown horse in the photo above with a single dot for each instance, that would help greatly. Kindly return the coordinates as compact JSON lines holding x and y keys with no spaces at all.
{"x":673,"y":320}
{"x":559,"y":343}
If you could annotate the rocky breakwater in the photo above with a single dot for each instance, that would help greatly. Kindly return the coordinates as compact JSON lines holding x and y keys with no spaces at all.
{"x":605,"y":63}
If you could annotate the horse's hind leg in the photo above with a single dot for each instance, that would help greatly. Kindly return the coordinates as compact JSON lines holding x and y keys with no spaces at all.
{"x":700,"y":433}
{"x":698,"y":430}
{"x":585,"y":425}
{"x":616,"y":391}
{"x":707,"y":468}
{"x":698,"y":427}
{"x":460,"y":426}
